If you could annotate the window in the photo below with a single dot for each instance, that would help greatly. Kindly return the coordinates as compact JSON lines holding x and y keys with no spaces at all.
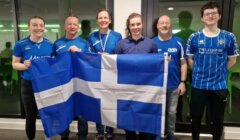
{"x":54,"y":13}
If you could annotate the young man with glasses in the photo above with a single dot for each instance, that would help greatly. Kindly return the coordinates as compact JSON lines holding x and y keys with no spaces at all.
{"x":211,"y":52}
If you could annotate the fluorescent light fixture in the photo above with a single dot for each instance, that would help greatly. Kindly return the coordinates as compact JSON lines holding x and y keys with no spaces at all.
{"x":7,"y":30}
{"x":52,"y":26}
{"x":24,"y":30}
{"x":174,"y":31}
{"x":46,"y":25}
{"x":23,"y":25}
{"x":170,"y":8}
{"x":54,"y":30}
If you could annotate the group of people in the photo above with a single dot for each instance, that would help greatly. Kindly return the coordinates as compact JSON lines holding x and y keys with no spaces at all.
{"x":209,"y":53}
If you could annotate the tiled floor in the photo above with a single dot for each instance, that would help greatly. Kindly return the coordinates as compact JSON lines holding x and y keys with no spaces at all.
{"x":20,"y":135}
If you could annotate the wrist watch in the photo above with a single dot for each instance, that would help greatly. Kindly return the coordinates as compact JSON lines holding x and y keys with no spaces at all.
{"x":183,"y":81}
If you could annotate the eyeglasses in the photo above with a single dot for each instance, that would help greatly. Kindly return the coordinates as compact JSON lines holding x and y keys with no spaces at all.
{"x":210,"y":13}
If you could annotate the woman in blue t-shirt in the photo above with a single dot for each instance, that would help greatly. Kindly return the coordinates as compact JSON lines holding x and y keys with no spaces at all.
{"x":104,"y":41}
{"x":32,"y":47}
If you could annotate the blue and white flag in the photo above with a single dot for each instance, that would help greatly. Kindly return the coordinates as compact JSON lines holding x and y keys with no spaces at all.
{"x":121,"y":91}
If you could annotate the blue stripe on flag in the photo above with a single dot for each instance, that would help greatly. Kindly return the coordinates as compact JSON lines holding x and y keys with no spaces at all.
{"x":88,"y":107}
{"x":134,"y":73}
{"x":137,"y":116}
{"x":56,"y":118}
{"x":88,"y":67}
{"x":51,"y":72}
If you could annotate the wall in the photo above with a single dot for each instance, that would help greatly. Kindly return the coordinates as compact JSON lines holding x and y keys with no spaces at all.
{"x":122,"y":9}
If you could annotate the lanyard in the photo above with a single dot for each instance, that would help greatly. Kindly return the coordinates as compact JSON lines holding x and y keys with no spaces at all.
{"x":100,"y":38}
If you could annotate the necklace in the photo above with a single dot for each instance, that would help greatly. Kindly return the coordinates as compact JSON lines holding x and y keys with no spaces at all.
{"x":100,"y":38}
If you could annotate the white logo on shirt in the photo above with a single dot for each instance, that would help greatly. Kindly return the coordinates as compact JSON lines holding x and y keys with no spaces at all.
{"x":27,"y":47}
{"x":201,"y":42}
{"x":60,"y":47}
{"x":96,"y":42}
{"x":172,"y":50}
{"x":220,"y":42}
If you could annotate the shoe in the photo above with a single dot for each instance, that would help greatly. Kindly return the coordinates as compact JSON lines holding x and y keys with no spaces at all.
{"x":109,"y":137}
{"x":99,"y":137}
{"x":64,"y":138}
{"x":81,"y":137}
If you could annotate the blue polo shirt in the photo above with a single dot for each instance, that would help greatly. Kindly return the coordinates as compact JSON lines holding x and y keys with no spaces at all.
{"x":176,"y":49}
{"x":131,"y":46}
{"x":112,"y":39}
{"x":62,"y":45}
{"x":29,"y":50}
{"x":210,"y":54}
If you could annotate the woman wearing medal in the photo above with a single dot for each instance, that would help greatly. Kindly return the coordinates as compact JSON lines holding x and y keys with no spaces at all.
{"x":104,"y":41}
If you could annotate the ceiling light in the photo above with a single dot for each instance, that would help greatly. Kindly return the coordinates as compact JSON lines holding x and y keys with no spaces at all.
{"x":170,"y":8}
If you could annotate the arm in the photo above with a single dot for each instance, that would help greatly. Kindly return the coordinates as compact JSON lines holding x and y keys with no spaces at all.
{"x":231,"y":61}
{"x":17,"y":65}
{"x":182,"y":87}
{"x":190,"y":61}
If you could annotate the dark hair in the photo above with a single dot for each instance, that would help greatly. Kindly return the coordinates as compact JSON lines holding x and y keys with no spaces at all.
{"x":85,"y":23}
{"x":210,"y":5}
{"x":185,"y":19}
{"x":36,"y":17}
{"x":131,"y":16}
{"x":8,"y":44}
{"x":101,"y":10}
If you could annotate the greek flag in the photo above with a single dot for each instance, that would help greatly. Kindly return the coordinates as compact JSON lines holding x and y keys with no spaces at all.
{"x":121,"y":91}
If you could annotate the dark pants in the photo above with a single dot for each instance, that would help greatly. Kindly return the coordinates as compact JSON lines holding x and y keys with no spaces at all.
{"x":30,"y":108}
{"x":101,"y":129}
{"x":131,"y":135}
{"x":82,"y":130}
{"x":215,"y":100}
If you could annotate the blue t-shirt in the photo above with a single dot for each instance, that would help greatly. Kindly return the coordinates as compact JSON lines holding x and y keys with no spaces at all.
{"x":130,"y":46}
{"x":62,"y":45}
{"x":97,"y":46}
{"x":210,"y":55}
{"x":176,"y":49}
{"x":28,"y":50}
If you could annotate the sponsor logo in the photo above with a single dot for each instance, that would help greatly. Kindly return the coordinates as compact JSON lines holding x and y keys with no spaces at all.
{"x":172,"y":50}
{"x":210,"y":51}
{"x":37,"y":57}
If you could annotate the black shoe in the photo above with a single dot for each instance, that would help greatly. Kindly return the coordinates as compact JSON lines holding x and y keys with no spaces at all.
{"x":99,"y":137}
{"x":64,"y":138}
{"x":109,"y":137}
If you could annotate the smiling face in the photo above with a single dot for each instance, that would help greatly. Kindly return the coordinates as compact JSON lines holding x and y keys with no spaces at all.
{"x":164,"y":25}
{"x":135,"y":26}
{"x":103,"y":20}
{"x":210,"y":17}
{"x":71,"y":26}
{"x":36,"y":27}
